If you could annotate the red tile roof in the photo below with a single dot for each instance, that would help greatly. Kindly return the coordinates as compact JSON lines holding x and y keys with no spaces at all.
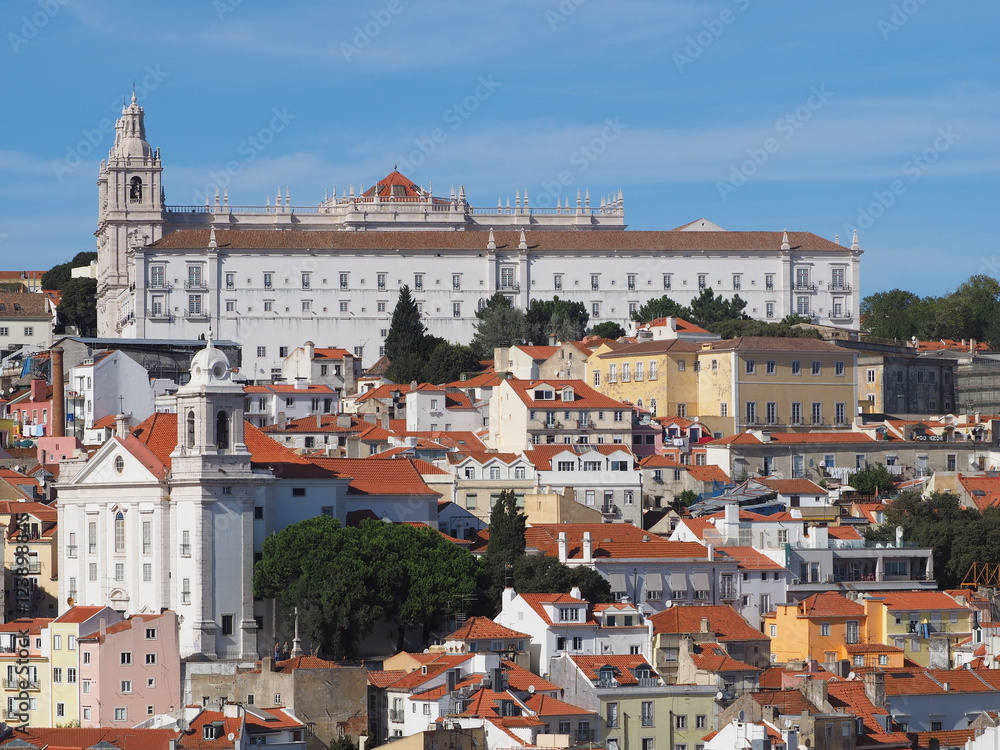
{"x":538,"y":352}
{"x":544,"y":705}
{"x":539,"y":242}
{"x":829,"y":604}
{"x":538,"y":601}
{"x":843,"y":532}
{"x":78,"y":614}
{"x":609,"y":541}
{"x":385,"y":677}
{"x":711,"y":657}
{"x":584,"y":397}
{"x":378,"y":476}
{"x":79,"y":738}
{"x":708,"y":473}
{"x":794,"y":438}
{"x":623,"y":664}
{"x":984,"y":491}
{"x":792,"y":486}
{"x":331,"y":353}
{"x":520,"y":679}
{"x":915,"y":600}
{"x":749,"y":558}
{"x":483,"y":628}
{"x":286,"y":388}
{"x":724,"y":623}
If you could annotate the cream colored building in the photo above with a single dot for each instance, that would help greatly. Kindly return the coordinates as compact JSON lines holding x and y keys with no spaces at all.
{"x":659,"y":375}
{"x":783,"y":383}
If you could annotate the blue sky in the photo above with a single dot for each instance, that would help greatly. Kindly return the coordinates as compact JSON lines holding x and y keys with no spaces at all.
{"x":819,"y":117}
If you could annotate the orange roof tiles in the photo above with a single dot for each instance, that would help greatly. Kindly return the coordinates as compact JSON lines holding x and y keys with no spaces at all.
{"x":792,"y":486}
{"x":609,"y":540}
{"x":711,"y":657}
{"x":794,"y":438}
{"x":829,"y":604}
{"x":544,"y":705}
{"x":584,"y":397}
{"x":850,"y":696}
{"x":378,"y":476}
{"x":520,"y":679}
{"x":539,"y":242}
{"x":915,"y":600}
{"x":538,"y":601}
{"x":983,"y":490}
{"x":331,"y":353}
{"x":843,"y":532}
{"x":385,"y":677}
{"x":623,"y":664}
{"x":786,"y":701}
{"x":483,"y":628}
{"x":749,"y":558}
{"x":725,"y":623}
{"x":708,"y":473}
{"x":647,"y":348}
{"x":86,"y":737}
{"x":78,"y":614}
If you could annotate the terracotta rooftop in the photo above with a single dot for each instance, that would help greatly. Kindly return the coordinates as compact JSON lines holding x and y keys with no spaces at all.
{"x":724,"y":622}
{"x":544,"y":705}
{"x":915,"y":600}
{"x":609,"y":541}
{"x":829,"y":604}
{"x":538,"y":602}
{"x":623,"y":664}
{"x":483,"y":628}
{"x":78,"y":738}
{"x":539,"y":242}
{"x":792,"y":486}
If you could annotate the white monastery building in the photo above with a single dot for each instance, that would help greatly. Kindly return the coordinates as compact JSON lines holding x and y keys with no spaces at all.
{"x":275,"y":276}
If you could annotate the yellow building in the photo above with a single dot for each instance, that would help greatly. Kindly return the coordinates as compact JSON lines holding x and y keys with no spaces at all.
{"x":821,"y":627}
{"x":783,"y":383}
{"x":924,"y":625}
{"x":32,"y":577}
{"x":25,"y":672}
{"x":659,"y":375}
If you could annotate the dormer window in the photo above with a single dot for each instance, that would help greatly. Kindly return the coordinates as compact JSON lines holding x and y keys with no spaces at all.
{"x":606,"y":675}
{"x":567,"y":394}
{"x":569,"y":614}
{"x":544,"y":394}
{"x":643,"y":672}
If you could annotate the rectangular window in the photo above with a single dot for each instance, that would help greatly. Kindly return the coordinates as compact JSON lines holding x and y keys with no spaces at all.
{"x":126,"y":657}
{"x":841,"y":413}
{"x":456,"y":281}
{"x":456,"y":309}
{"x":751,"y":366}
{"x":796,"y":412}
{"x":595,"y":281}
{"x":646,"y":715}
{"x":667,"y":281}
{"x":817,"y":413}
{"x":771,"y":409}
{"x":121,"y":714}
{"x":817,"y":368}
{"x":268,"y":280}
{"x":57,"y":674}
{"x":380,"y":280}
{"x":751,"y":412}
{"x":418,"y":281}
{"x":839,"y":369}
{"x":702,"y":280}
{"x":557,"y":281}
{"x":147,"y":572}
{"x":768,"y":309}
{"x":595,"y":310}
{"x":345,"y":280}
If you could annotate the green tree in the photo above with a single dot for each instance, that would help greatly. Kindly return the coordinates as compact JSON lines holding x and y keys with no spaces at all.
{"x":498,"y":324}
{"x":539,"y":574}
{"x":661,"y":307}
{"x":406,"y":343}
{"x":503,"y":549}
{"x":899,"y":315}
{"x":57,"y":277}
{"x":876,"y":478}
{"x":343,"y":580}
{"x":688,"y":498}
{"x":78,"y":306}
{"x":707,"y":309}
{"x":969,"y":311}
{"x":607,"y":330}
{"x":556,"y":317}
{"x":448,"y":361}
{"x":731,"y":329}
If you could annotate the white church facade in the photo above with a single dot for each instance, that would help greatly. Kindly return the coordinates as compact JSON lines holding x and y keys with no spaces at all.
{"x":275,"y":276}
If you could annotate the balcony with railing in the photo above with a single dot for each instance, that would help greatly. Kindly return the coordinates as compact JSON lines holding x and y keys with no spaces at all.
{"x":196,"y":314}
{"x":804,"y":286}
{"x":20,"y":683}
{"x":839,"y":287}
{"x":396,"y":714}
{"x":196,"y":285}
{"x":585,"y":735}
{"x":841,"y":315}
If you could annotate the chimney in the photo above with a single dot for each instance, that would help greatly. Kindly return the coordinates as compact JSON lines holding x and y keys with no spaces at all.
{"x":122,"y":426}
{"x":587,"y":547}
{"x":57,"y":426}
{"x":310,"y":351}
{"x":562,"y":547}
{"x":711,"y":553}
{"x":704,"y":628}
{"x":266,"y":664}
{"x":576,"y":593}
{"x":36,"y":391}
{"x":103,"y":629}
{"x":946,"y":686}
{"x":875,"y":688}
{"x":301,"y":384}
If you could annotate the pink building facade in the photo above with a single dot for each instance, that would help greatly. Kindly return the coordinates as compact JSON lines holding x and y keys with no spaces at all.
{"x":130,"y":670}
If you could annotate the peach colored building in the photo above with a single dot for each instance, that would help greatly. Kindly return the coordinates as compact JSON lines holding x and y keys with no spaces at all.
{"x":130,"y":670}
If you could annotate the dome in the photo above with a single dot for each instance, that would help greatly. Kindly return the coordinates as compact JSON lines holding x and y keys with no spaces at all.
{"x":209,"y":366}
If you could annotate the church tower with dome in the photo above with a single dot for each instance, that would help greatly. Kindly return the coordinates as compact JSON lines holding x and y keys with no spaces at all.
{"x":130,"y":213}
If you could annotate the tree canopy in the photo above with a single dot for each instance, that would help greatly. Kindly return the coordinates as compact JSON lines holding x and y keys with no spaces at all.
{"x":661,"y":307}
{"x":705,"y":310}
{"x":57,"y":277}
{"x":539,"y":574}
{"x":959,"y":536}
{"x":972,"y":311}
{"x":607,"y":330}
{"x":875,"y":479}
{"x":499,"y":324}
{"x":78,"y":306}
{"x":556,"y":317}
{"x":343,"y":580}
{"x":731,"y":329}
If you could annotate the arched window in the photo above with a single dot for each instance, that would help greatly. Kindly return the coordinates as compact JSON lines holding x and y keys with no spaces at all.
{"x":190,"y":429}
{"x":222,"y":430}
{"x":639,"y":403}
{"x":652,"y":406}
{"x":120,"y":532}
{"x":135,"y":189}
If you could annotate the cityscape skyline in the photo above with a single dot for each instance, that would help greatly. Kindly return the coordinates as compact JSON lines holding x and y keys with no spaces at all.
{"x":855,"y":126}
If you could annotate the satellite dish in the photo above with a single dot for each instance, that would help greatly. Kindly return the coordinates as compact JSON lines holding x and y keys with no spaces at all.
{"x":788,"y":723}
{"x":718,"y":696}
{"x":852,"y":676}
{"x":696,"y":419}
{"x":182,"y":725}
{"x":230,"y":736}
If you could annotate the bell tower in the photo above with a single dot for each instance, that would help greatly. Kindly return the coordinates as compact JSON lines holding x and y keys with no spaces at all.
{"x":130,"y":213}
{"x":213,"y":493}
